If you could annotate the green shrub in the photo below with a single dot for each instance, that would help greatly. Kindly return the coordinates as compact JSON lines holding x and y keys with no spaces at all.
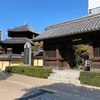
{"x":29,"y":71}
{"x":38,"y":66}
{"x":90,"y":78}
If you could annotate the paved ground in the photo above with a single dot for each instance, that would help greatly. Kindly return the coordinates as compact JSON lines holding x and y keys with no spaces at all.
{"x":19,"y":87}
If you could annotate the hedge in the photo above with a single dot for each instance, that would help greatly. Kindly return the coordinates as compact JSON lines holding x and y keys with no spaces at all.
{"x":90,"y":78}
{"x":30,"y":71}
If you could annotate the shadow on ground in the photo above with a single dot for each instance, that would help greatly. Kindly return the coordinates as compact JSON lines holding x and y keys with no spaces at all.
{"x":4,"y":75}
{"x":60,"y":91}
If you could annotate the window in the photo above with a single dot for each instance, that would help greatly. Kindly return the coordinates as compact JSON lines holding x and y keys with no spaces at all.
{"x":90,"y":11}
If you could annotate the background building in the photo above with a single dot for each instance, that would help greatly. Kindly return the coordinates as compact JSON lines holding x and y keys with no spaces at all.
{"x":13,"y":48}
{"x":93,"y":7}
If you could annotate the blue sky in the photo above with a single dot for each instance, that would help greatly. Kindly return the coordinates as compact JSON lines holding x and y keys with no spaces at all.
{"x":39,"y":13}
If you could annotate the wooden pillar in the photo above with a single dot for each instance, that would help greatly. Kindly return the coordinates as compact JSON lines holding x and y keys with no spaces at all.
{"x":5,"y":50}
{"x":68,"y":57}
{"x":91,"y":53}
{"x":44,"y":54}
{"x":57,"y":56}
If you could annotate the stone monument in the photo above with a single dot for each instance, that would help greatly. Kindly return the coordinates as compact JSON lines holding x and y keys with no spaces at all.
{"x":27,"y":54}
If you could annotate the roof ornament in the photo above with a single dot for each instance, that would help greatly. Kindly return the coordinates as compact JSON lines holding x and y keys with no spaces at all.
{"x":25,"y":24}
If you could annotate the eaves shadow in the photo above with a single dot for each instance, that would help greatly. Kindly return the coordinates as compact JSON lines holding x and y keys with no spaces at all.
{"x":60,"y":91}
{"x":4,"y":75}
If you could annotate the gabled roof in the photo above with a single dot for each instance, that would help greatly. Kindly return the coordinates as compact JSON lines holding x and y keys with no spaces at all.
{"x":23,"y":28}
{"x":78,"y":26}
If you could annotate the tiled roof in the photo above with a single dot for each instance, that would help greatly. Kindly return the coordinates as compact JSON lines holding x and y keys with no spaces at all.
{"x":23,"y":28}
{"x":82,"y":25}
{"x":38,"y":53}
{"x":11,"y":56}
{"x":16,"y":41}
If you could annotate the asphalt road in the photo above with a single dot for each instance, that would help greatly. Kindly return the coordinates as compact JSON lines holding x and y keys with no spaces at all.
{"x":19,"y":87}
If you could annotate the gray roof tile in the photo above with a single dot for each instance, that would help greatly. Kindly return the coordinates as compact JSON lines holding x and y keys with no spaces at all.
{"x":11,"y":56}
{"x":17,"y":41}
{"x":82,"y":25}
{"x":23,"y":28}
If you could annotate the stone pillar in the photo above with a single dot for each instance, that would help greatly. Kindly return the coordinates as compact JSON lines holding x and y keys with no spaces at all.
{"x":27,"y":54}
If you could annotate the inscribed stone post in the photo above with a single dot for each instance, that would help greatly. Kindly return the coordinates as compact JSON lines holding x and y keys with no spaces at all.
{"x":27,"y":53}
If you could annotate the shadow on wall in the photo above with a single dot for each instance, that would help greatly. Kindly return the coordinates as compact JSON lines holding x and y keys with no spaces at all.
{"x":4,"y":75}
{"x":60,"y":91}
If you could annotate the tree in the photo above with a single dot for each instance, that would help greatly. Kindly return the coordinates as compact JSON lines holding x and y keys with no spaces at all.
{"x":78,"y":51}
{"x":37,"y":46}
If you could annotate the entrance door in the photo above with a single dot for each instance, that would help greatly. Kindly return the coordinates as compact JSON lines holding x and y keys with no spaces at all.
{"x":70,"y":54}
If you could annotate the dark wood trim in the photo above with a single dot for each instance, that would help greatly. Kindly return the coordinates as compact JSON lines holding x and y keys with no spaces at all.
{"x":91,"y":52}
{"x":49,"y":58}
{"x":57,"y":55}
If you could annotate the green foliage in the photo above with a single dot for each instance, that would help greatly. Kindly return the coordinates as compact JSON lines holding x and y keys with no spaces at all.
{"x":77,"y":60}
{"x":90,"y":78}
{"x":38,"y":46}
{"x":78,"y":50}
{"x":0,"y":47}
{"x":38,"y":66}
{"x":29,"y":71}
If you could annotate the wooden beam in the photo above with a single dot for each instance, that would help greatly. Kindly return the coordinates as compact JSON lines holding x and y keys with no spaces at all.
{"x":91,"y":52}
{"x":57,"y":56}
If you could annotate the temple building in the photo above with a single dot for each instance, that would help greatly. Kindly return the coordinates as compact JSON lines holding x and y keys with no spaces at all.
{"x":19,"y":36}
{"x":58,"y":39}
{"x":14,"y":47}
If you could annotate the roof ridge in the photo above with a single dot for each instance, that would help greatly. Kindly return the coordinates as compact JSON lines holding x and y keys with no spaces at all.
{"x":31,"y":29}
{"x":72,"y":21}
{"x":23,"y":28}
